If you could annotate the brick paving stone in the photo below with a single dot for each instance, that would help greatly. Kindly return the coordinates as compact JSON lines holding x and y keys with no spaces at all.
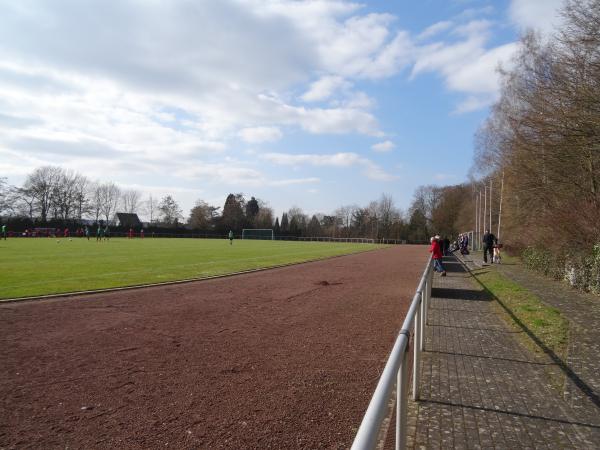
{"x":480,"y":388}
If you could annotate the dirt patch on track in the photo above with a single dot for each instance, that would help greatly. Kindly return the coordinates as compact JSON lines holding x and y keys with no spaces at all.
{"x":286,"y":358}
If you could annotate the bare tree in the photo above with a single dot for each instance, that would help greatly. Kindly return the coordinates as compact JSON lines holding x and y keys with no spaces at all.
{"x":170,"y":210}
{"x":41,"y":184}
{"x":151,"y":207}
{"x":130,"y":201}
{"x":67,"y":199}
{"x":344,"y":215}
{"x":4,"y":195}
{"x":109,"y":199}
{"x":387,"y":212}
{"x":81,"y":198}
{"x":95,"y":200}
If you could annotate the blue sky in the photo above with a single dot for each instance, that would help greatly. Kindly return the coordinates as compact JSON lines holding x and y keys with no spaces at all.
{"x":313,"y":104}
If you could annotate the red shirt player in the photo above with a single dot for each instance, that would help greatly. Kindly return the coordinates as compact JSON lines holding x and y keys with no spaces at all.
{"x":131,"y":233}
{"x":66,"y":233}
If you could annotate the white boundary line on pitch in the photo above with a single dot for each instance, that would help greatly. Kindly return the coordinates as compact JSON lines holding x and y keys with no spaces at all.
{"x":167,"y":283}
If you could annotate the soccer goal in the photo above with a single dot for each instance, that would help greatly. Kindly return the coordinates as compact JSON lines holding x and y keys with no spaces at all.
{"x":257,"y":233}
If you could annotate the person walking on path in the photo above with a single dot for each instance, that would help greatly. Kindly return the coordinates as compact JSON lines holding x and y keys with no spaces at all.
{"x":436,"y":252}
{"x":489,"y":240}
{"x":230,"y":237}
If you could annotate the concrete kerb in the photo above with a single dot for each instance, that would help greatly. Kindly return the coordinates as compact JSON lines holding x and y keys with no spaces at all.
{"x":174,"y":282}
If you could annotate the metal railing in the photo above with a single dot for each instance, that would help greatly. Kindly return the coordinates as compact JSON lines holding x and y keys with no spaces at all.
{"x":396,"y":374}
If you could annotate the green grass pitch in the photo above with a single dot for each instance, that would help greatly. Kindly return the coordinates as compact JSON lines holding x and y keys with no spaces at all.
{"x":38,"y":266}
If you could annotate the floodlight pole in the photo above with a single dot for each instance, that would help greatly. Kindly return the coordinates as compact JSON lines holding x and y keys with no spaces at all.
{"x":500,"y":207}
{"x":484,"y":206}
{"x":476,"y":222}
{"x":490,"y":205}
{"x":479,"y":229}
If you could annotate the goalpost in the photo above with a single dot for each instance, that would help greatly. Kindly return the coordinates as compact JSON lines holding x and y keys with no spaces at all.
{"x":257,"y":233}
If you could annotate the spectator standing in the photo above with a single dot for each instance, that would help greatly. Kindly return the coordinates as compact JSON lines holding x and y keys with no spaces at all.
{"x":436,"y":252}
{"x":489,"y":240}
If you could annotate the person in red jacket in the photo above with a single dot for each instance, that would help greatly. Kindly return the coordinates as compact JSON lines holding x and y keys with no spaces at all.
{"x":436,"y":251}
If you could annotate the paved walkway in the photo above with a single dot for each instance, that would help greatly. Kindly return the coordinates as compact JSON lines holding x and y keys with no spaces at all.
{"x":480,"y":387}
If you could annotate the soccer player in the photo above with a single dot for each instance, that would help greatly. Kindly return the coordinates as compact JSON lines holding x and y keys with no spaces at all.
{"x":99,"y":233}
{"x":3,"y":232}
{"x":106,"y":233}
{"x":230,"y":237}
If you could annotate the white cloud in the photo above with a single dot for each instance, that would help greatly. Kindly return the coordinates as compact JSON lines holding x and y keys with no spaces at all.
{"x":340,"y":160}
{"x":334,"y":160}
{"x":435,"y":29}
{"x":294,"y":181}
{"x":467,"y":66}
{"x":541,"y":15}
{"x":474,"y":103}
{"x":257,"y":135}
{"x":382,"y":147}
{"x":324,"y":88}
{"x":479,"y":27}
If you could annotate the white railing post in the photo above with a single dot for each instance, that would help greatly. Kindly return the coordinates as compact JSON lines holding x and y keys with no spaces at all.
{"x":417,"y":349}
{"x":402,"y":402}
{"x":429,"y":285}
{"x":421,"y":318}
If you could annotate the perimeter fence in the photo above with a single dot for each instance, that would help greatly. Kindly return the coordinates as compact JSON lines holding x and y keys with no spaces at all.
{"x":395,"y":376}
{"x":189,"y":235}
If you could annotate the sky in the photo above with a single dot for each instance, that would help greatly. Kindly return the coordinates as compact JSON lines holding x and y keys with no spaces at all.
{"x":314,"y":104}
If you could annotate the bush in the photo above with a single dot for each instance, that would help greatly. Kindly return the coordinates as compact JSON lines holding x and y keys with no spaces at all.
{"x":582,"y":271}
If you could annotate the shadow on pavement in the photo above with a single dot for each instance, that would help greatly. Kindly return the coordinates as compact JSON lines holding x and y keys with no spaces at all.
{"x":512,"y":413}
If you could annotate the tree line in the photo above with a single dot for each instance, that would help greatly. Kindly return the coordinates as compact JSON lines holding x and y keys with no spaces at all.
{"x":52,"y":195}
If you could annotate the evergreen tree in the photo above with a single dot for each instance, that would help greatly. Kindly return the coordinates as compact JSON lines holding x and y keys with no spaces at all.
{"x":252,"y":210}
{"x":285,"y":225}
{"x":233,"y":213}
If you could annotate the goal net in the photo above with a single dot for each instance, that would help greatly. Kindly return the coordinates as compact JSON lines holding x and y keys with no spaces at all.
{"x":257,"y":233}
